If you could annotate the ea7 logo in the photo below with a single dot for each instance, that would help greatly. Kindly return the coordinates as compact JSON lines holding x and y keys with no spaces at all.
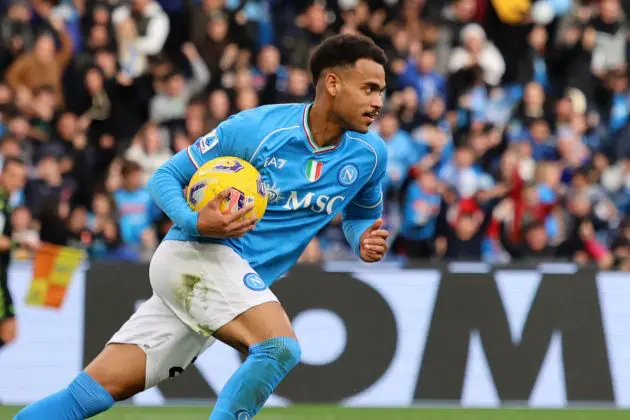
{"x":275,"y":162}
{"x":317,"y":203}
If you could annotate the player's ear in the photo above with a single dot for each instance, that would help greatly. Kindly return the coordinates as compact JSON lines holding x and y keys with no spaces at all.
{"x":332,"y":83}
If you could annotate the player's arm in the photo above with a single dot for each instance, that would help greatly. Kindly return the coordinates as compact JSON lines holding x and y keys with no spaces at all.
{"x":362,"y":217}
{"x":237,"y":136}
{"x":166,"y":186}
{"x":170,"y":179}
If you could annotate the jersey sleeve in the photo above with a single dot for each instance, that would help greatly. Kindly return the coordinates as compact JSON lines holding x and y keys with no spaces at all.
{"x":166,"y":188}
{"x":237,"y":136}
{"x":367,"y":205}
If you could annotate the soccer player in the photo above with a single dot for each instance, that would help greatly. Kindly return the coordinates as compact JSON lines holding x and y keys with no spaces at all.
{"x":211,"y":274}
{"x":12,"y":179}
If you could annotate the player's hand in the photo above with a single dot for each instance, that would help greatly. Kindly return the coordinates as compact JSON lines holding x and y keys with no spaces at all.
{"x":212,"y":222}
{"x":374,"y":245}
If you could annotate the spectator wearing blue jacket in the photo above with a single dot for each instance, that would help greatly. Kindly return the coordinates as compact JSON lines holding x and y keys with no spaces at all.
{"x":420,"y":74}
{"x":400,"y":151}
{"x":135,"y":206}
{"x":421,"y":208}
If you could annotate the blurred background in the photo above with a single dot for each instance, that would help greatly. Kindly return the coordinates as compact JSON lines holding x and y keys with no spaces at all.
{"x":507,"y":121}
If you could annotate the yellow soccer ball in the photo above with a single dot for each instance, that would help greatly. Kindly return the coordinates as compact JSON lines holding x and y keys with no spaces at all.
{"x":243,"y":180}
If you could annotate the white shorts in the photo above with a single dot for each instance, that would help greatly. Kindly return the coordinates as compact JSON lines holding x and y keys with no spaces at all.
{"x":198,"y":288}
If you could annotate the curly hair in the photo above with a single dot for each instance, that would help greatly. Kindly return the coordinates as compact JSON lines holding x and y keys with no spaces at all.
{"x":344,"y":50}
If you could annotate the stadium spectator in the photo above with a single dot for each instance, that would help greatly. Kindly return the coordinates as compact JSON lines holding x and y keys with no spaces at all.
{"x":420,"y":217}
{"x":79,"y":235}
{"x":621,"y":247}
{"x":535,"y":245}
{"x":107,"y":244}
{"x":171,"y":104}
{"x":136,"y":210}
{"x":12,"y":179}
{"x":25,"y":234}
{"x":9,"y":148}
{"x":194,"y":126}
{"x":535,"y":67}
{"x":271,"y":78}
{"x":477,"y":52}
{"x":17,"y":35}
{"x":47,"y":184}
{"x":297,"y":89}
{"x":461,"y":176}
{"x":463,"y":230}
{"x":521,"y":120}
{"x":405,"y":104}
{"x":610,"y":33}
{"x":579,"y":221}
{"x":102,"y":209}
{"x":400,"y":151}
{"x":133,"y":62}
{"x":152,"y":24}
{"x":246,"y":99}
{"x":211,"y":36}
{"x":419,"y":73}
{"x":218,"y":108}
{"x":616,"y":180}
{"x":25,"y":75}
{"x":149,"y":150}
{"x":309,"y":28}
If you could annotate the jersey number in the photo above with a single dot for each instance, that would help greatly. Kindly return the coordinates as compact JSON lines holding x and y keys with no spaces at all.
{"x":176,"y":370}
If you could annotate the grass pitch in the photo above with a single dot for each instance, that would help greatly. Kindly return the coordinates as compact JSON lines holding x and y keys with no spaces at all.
{"x":337,"y":413}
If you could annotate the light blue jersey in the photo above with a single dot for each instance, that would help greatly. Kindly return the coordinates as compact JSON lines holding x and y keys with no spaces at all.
{"x":306,"y":185}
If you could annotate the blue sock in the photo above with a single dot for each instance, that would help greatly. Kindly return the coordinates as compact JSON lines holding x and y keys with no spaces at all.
{"x":269,"y":362}
{"x":82,"y":399}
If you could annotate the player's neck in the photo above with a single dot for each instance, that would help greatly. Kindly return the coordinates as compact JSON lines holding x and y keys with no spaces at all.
{"x":324,"y":127}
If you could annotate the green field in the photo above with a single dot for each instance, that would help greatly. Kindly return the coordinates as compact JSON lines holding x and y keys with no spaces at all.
{"x":336,"y":413}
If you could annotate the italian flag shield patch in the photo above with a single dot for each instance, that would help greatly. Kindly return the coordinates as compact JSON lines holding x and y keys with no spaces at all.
{"x":313,"y":170}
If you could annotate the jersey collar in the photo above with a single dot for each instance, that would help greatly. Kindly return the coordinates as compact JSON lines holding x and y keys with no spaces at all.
{"x":309,"y":136}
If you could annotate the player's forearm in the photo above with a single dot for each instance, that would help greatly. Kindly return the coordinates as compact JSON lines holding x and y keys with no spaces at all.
{"x":166,"y":187}
{"x":356,"y":219}
{"x":353,"y":229}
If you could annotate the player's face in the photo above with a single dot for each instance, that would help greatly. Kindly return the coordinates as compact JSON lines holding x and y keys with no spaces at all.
{"x":359,"y":96}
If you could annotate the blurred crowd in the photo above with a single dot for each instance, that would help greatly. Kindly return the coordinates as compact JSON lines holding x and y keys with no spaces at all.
{"x":506,"y":121}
